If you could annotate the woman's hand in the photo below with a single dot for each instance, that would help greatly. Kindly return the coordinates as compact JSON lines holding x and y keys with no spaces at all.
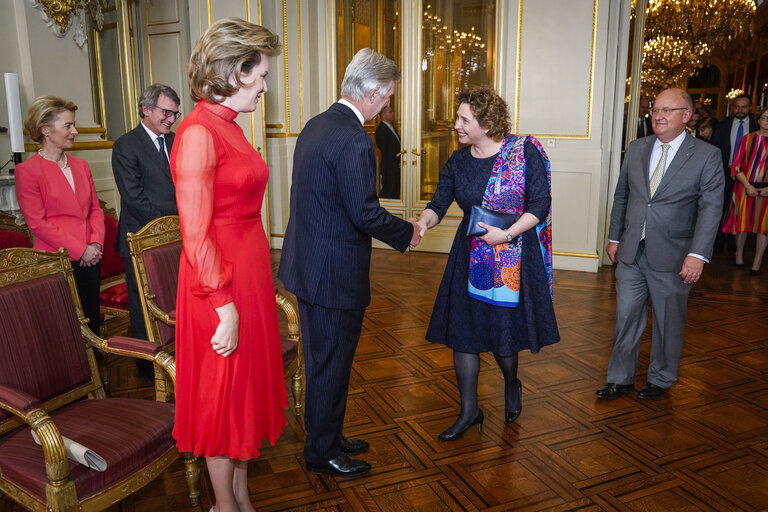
{"x":762,"y":191}
{"x":494,"y":236}
{"x":752,"y":191}
{"x":91,"y":255}
{"x":224,"y":340}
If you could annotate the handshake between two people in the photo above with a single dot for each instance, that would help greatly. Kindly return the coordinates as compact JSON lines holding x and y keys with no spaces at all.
{"x":419,"y":229}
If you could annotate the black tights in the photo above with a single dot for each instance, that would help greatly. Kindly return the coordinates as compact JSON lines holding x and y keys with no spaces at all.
{"x":467,"y":368}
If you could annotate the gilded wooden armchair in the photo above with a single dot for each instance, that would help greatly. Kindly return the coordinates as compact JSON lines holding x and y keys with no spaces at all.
{"x":13,"y":234}
{"x":155,"y":252}
{"x":50,"y":384}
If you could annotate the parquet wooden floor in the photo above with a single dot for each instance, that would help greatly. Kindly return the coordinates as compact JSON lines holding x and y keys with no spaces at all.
{"x":704,"y":447}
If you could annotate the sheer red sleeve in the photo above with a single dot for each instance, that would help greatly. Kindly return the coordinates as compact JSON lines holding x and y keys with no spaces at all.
{"x":195,"y":173}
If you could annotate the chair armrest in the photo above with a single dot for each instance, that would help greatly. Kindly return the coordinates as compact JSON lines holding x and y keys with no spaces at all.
{"x":142,"y":349}
{"x":159,"y":314}
{"x":27,"y":407}
{"x":17,"y":402}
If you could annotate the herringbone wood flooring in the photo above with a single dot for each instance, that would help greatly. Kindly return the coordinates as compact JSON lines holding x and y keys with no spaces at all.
{"x":704,"y":447}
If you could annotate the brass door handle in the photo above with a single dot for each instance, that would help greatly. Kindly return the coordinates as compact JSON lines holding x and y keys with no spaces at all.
{"x":402,"y":153}
{"x":417,"y":153}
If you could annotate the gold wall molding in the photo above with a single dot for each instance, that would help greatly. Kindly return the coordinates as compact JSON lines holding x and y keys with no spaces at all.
{"x":77,"y":146}
{"x":590,"y":91}
{"x":167,"y":22}
{"x":576,"y":254}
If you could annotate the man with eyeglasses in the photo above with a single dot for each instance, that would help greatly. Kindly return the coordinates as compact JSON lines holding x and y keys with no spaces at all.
{"x":140,"y":163}
{"x":666,"y":211}
{"x":727,"y":135}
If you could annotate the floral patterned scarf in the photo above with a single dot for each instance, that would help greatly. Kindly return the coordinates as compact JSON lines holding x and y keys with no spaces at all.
{"x":494,"y":271}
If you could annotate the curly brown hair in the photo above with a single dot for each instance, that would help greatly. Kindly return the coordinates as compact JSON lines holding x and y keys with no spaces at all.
{"x":490,"y":110}
{"x":228,"y":48}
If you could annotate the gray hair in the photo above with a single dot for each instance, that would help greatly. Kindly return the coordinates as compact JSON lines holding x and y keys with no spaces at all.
{"x":368,"y":71}
{"x":151,"y":94}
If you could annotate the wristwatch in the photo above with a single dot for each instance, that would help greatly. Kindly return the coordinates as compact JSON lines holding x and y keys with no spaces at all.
{"x":509,"y":237}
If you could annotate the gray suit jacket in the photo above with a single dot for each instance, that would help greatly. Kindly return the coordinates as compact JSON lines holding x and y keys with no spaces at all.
{"x":683,"y":215}
{"x":144,"y":181}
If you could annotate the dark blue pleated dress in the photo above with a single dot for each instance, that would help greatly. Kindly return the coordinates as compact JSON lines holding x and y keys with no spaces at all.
{"x":469,"y":325}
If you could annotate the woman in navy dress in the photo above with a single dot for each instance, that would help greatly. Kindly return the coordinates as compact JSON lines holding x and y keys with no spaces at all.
{"x":496,"y":292}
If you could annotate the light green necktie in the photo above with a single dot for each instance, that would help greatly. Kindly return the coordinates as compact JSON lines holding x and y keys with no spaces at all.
{"x":658,"y":173}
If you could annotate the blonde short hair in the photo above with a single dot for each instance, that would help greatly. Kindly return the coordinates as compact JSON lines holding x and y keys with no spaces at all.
{"x":43,"y":111}
{"x":228,"y":48}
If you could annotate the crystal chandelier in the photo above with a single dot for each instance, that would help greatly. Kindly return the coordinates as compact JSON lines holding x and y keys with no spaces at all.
{"x":679,"y":34}
{"x":668,"y":61}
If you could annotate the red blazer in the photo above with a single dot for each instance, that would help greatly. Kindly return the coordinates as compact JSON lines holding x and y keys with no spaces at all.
{"x":57,"y":216}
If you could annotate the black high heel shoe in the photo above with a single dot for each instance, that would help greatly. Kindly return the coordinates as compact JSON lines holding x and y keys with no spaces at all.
{"x":511,"y":416}
{"x":449,"y":435}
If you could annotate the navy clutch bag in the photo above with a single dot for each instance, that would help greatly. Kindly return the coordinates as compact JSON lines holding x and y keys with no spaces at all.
{"x":490,"y":217}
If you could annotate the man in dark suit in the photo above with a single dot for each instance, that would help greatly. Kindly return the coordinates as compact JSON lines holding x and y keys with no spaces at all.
{"x":327,"y":252}
{"x":666,"y":211}
{"x":143,"y":177}
{"x":644,"y":125}
{"x":388,"y":142}
{"x":726,"y":136}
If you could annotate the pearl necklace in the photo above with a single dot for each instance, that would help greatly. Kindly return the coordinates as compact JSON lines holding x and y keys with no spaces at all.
{"x":66,"y":161}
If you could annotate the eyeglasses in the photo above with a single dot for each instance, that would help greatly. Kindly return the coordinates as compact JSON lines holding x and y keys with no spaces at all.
{"x":764,"y":118}
{"x":170,"y":113}
{"x":666,"y":110}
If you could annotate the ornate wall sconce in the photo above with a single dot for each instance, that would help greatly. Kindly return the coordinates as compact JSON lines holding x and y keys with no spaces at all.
{"x":61,"y":12}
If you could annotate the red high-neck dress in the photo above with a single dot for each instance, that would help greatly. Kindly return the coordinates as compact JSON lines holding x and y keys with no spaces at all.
{"x":224,"y":405}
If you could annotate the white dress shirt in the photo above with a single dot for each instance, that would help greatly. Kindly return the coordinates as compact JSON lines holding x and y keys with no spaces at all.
{"x":354,"y":109}
{"x":154,"y":137}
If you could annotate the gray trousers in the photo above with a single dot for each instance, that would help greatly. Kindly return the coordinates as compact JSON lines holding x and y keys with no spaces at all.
{"x":669,"y":301}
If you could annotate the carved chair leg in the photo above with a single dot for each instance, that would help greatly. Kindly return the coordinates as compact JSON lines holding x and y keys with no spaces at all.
{"x":192,"y":476}
{"x":297,"y":388}
{"x":163,"y":392}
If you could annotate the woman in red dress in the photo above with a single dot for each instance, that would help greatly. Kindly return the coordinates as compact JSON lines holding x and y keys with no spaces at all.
{"x":230,"y":389}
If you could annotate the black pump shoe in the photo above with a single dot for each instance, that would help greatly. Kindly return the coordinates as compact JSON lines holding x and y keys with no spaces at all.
{"x":449,"y":435}
{"x":511,"y":416}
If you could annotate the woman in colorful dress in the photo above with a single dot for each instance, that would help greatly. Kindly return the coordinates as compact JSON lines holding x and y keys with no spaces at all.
{"x":496,"y":292}
{"x":230,"y":389}
{"x":749,"y":206}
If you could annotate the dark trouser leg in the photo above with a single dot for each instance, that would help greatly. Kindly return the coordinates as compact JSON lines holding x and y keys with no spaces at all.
{"x":467,"y":368}
{"x":330,"y":339}
{"x":88,"y":280}
{"x":631,"y":318}
{"x":508,"y":366}
{"x":138,"y":329}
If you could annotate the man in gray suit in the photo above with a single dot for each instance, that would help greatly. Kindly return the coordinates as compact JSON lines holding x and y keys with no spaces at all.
{"x":143,"y":176}
{"x":666,"y":211}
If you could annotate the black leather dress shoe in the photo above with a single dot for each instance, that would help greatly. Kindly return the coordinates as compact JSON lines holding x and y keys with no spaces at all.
{"x":613,"y":391}
{"x":343,"y":465}
{"x":353,"y":446}
{"x":651,"y":392}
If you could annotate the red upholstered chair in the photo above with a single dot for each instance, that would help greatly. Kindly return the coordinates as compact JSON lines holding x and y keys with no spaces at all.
{"x":113,"y":299}
{"x":12,"y":234}
{"x":155,"y":253}
{"x":50,"y":384}
{"x":293,"y":356}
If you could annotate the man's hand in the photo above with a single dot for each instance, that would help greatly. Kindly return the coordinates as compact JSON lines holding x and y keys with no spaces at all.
{"x":417,"y":233}
{"x":611,"y":249}
{"x":692,"y":268}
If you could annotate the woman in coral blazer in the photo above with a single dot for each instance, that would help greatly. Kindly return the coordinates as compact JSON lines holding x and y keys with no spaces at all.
{"x":58,"y":199}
